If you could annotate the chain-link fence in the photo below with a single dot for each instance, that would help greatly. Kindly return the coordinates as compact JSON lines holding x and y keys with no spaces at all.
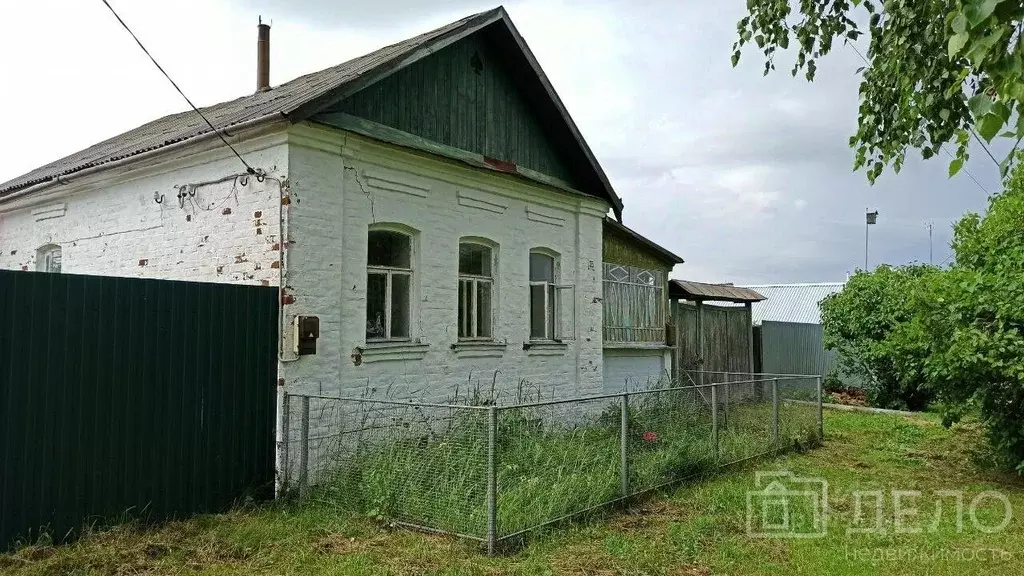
{"x":493,"y":473}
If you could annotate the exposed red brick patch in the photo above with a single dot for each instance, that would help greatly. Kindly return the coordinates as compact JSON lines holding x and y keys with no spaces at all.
{"x":257,"y":214}
{"x":287,"y":299}
{"x":276,"y":246}
{"x":501,"y":165}
{"x":226,"y":211}
{"x":143,"y":261}
{"x":275,"y":264}
{"x":265,"y":282}
{"x":286,"y":200}
{"x":24,"y":268}
{"x":280,"y":381}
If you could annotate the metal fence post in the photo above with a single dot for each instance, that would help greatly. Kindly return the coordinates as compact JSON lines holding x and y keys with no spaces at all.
{"x":775,"y":411}
{"x":623,"y":445}
{"x":285,"y":440}
{"x":492,"y":484}
{"x":821,"y":420}
{"x":304,"y":445}
{"x":714,"y":422}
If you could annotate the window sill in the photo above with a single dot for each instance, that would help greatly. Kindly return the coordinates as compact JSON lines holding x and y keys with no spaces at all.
{"x":545,"y":347}
{"x":480,"y":348}
{"x":387,"y":351}
{"x":638,"y":345}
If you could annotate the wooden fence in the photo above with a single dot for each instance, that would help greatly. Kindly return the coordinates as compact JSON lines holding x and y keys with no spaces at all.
{"x":123,"y":397}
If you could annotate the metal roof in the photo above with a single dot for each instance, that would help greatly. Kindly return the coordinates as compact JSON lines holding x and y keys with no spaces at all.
{"x":654,"y":246}
{"x":792,"y":302}
{"x":302,"y":97}
{"x":690,"y":290}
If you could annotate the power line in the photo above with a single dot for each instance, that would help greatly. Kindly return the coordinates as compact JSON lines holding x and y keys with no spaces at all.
{"x":985,"y":148}
{"x":248,"y":168}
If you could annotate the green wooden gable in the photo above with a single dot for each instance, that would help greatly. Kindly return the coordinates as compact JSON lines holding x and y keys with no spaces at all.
{"x":466,"y":96}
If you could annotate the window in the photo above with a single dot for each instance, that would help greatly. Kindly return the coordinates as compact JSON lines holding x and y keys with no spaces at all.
{"x":548,"y":319}
{"x":48,"y":258}
{"x":388,"y":285}
{"x":476,"y":290}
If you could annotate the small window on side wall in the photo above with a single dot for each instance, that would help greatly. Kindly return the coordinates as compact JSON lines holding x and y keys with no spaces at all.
{"x":552,"y":305}
{"x":388,"y":285}
{"x":48,"y":258}
{"x":476,"y":290}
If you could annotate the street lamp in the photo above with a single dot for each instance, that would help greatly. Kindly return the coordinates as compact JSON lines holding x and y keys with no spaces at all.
{"x":869,"y":219}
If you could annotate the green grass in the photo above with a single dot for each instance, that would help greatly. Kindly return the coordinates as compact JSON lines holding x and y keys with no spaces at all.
{"x":695,"y":529}
{"x":551,"y":461}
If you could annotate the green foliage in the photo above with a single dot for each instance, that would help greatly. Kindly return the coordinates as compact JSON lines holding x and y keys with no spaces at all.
{"x":938,"y":69}
{"x":872,"y":326}
{"x":973,"y":322}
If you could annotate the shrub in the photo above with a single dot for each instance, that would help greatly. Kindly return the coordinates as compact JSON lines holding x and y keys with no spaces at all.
{"x":872,"y":326}
{"x":972,"y":319}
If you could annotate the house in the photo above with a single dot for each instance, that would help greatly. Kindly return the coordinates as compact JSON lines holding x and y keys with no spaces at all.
{"x":431,"y":214}
{"x":635,"y":271}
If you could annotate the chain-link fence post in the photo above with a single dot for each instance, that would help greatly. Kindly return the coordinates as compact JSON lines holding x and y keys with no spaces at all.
{"x":304,"y":445}
{"x":492,"y":479}
{"x":623,"y":445}
{"x":775,"y":412}
{"x":714,"y":422}
{"x":821,"y":420}
{"x":285,"y":440}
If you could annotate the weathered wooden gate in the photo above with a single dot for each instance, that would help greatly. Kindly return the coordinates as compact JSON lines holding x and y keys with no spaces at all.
{"x":150,"y":399}
{"x":727,"y":339}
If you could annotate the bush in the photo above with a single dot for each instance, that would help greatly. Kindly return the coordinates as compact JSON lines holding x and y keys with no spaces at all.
{"x":972,"y":319}
{"x":872,"y":326}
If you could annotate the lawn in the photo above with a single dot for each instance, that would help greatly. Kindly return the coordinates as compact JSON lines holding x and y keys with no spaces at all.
{"x":695,"y":529}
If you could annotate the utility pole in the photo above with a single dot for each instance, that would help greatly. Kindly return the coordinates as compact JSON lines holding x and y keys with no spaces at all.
{"x":869,"y":219}
{"x":930,"y":260}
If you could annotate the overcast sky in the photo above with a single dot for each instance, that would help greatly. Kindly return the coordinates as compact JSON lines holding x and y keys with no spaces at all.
{"x":748,"y":178}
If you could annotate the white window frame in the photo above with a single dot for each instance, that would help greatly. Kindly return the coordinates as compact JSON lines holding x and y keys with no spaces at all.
{"x":470,"y":296}
{"x":389,"y":273}
{"x":553,"y":329}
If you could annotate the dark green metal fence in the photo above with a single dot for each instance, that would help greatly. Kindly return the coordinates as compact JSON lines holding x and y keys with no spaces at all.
{"x":124,"y":397}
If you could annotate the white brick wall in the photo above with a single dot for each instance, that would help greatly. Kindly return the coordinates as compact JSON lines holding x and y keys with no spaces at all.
{"x":110,"y":224}
{"x":336,"y":185}
{"x":342,"y":183}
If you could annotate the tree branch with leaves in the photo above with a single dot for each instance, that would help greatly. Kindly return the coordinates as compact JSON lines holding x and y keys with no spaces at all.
{"x":937,"y":71}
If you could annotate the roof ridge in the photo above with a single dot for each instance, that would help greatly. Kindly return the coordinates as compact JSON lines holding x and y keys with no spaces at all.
{"x":224,"y":115}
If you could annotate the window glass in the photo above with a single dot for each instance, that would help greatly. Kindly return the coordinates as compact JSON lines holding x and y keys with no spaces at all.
{"x":483,"y":310}
{"x":474,"y":259}
{"x":542,"y":268}
{"x":387,"y":248}
{"x":464,"y":288}
{"x":537,"y":312}
{"x":399,"y":306}
{"x":376,"y":309}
